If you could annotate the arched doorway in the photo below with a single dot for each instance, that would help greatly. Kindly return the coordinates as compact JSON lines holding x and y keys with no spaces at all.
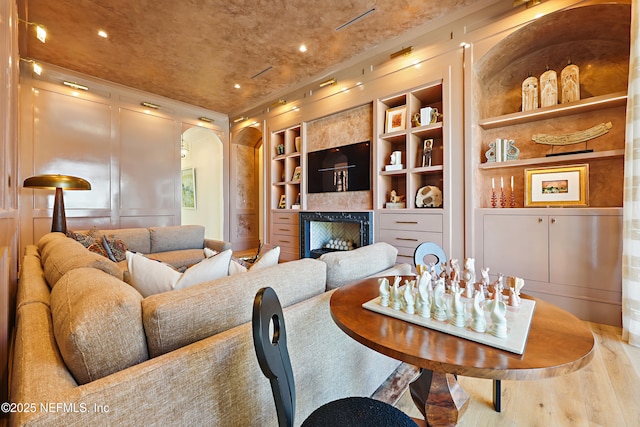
{"x":247,"y":192}
{"x":202,"y":158}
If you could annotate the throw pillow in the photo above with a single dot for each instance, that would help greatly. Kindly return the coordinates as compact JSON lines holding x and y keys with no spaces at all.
{"x":267,"y":259}
{"x":116,"y":248}
{"x":81,"y":237}
{"x":151,"y":277}
{"x":236,"y":265}
{"x":98,"y":248}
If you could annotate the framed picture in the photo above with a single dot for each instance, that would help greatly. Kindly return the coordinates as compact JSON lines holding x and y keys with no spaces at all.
{"x":396,"y":119}
{"x":283,"y":202}
{"x":297,"y":174}
{"x":558,"y":186}
{"x":189,"y":188}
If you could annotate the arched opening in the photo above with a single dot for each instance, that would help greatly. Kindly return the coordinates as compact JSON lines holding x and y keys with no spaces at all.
{"x":202,"y":180}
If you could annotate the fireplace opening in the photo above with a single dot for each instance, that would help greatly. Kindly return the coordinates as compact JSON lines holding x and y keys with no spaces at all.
{"x":322,"y":232}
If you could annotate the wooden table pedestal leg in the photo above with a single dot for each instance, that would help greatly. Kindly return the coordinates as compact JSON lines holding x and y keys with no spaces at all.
{"x":439,"y":397}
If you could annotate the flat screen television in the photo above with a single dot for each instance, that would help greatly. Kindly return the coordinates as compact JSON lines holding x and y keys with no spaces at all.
{"x":344,"y":168}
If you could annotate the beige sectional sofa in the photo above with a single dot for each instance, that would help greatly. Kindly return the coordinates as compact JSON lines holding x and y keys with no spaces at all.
{"x":90,"y":350}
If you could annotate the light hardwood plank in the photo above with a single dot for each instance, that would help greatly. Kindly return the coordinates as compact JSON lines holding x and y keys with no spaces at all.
{"x":604,"y":393}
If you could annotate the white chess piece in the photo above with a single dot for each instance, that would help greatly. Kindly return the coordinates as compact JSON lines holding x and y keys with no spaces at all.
{"x":384,"y":291}
{"x":439,"y":304}
{"x":424,"y":295}
{"x":498,"y":312}
{"x":458,"y":309}
{"x":409,"y":299}
{"x":478,"y":322}
{"x":469,"y":277}
{"x":396,"y":298}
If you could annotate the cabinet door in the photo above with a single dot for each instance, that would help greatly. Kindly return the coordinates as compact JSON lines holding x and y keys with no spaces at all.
{"x":516,"y":246}
{"x":586,"y":251}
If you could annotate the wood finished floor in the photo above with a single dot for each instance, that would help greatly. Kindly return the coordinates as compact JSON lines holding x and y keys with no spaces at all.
{"x":604,"y":393}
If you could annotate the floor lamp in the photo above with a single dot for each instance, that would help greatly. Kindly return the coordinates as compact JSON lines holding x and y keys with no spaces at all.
{"x":59,"y":182}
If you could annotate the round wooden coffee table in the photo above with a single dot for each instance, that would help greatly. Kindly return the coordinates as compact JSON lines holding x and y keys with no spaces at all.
{"x":558,"y":343}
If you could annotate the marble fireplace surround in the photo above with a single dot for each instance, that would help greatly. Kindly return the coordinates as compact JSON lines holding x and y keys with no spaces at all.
{"x":317,"y":228}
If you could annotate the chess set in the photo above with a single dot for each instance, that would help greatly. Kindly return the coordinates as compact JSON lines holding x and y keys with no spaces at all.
{"x":479,"y":312}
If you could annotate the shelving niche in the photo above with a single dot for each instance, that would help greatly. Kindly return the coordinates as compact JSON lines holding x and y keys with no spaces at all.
{"x":409,"y":141}
{"x":283,"y":165}
{"x":568,"y":256}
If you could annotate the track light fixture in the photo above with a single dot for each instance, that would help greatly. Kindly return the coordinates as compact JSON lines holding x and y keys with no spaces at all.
{"x":402,"y":52}
{"x":329,"y":82}
{"x":73,"y":85}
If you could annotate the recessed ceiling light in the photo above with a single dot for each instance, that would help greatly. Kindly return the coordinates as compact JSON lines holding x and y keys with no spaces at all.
{"x":303,"y":48}
{"x":103,"y":34}
{"x":237,"y":86}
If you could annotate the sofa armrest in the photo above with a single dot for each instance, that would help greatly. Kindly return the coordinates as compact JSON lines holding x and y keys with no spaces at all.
{"x":217,"y":245}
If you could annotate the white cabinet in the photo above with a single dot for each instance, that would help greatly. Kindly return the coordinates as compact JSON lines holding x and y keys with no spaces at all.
{"x":406,"y":230}
{"x":571,"y":257}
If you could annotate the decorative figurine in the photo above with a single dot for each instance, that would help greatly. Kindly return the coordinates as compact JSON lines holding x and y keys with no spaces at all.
{"x":548,"y":88}
{"x":502,"y":150}
{"x":515,"y":285}
{"x":484,"y":285}
{"x":427,"y":148}
{"x":530,"y":93}
{"x":429,"y":196}
{"x":384,"y":291}
{"x":570,"y":80}
{"x":478,"y":321}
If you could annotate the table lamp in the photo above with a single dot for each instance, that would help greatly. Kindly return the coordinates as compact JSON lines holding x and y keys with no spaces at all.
{"x":59,"y":182}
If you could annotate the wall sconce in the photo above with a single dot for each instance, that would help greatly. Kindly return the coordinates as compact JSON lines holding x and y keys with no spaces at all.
{"x":329,"y":82}
{"x":75,"y":85}
{"x":401,"y":52}
{"x":184,"y":147}
{"x":59,"y":182}
{"x":150,"y":105}
{"x":206,"y":119}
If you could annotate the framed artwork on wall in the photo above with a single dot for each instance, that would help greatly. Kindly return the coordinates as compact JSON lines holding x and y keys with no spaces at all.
{"x":557,"y":186}
{"x":188,"y":179}
{"x":297,"y":174}
{"x":396,"y":119}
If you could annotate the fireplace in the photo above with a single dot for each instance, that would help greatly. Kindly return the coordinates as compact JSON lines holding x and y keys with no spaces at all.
{"x":322,"y":232}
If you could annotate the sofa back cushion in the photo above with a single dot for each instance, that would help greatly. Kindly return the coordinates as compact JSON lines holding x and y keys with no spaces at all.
{"x":346,"y":266}
{"x":60,"y":254}
{"x":97,"y":323}
{"x":136,"y":239}
{"x":177,"y":237}
{"x":177,"y":318}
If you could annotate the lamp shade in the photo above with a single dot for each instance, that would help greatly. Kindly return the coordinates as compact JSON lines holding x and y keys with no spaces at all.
{"x":66,"y":182}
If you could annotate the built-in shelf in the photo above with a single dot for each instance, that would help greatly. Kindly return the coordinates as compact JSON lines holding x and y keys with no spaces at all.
{"x":596,"y":155}
{"x":595,"y":103}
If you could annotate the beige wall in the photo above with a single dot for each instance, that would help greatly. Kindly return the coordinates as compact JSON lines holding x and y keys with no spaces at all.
{"x":8,"y":182}
{"x":130,"y":154}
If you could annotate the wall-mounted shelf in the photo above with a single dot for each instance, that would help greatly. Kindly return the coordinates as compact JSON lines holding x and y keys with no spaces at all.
{"x":595,"y":103}
{"x":554,"y":159}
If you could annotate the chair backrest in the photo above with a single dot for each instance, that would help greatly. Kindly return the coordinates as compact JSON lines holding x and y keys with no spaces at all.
{"x":270,"y":342}
{"x":430,"y":249}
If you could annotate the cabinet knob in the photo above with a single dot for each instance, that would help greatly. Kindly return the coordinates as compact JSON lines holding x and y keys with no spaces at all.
{"x":553,"y":220}
{"x":539,"y":220}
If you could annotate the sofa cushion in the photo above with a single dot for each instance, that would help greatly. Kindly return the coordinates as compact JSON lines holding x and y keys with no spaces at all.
{"x":175,"y":319}
{"x":267,"y":259}
{"x":346,"y":266}
{"x":60,"y":254}
{"x":136,"y":239}
{"x":151,"y":277}
{"x":97,"y":324}
{"x":164,"y":239}
{"x":180,"y":260}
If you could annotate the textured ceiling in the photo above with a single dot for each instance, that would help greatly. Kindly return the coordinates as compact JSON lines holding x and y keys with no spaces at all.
{"x":195,"y":51}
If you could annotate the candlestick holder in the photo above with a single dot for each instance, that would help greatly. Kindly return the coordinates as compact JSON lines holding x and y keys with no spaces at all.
{"x":512,"y":199}
{"x":503,"y":199}
{"x":494,"y":199}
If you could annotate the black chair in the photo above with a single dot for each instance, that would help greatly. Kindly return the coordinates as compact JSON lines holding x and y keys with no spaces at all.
{"x":270,"y":341}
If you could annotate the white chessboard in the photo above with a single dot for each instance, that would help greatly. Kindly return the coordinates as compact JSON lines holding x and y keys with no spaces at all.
{"x":518,"y":323}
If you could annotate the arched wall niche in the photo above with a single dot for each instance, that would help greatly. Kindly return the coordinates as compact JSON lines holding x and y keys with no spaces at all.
{"x":246,"y":195}
{"x":595,"y":37}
